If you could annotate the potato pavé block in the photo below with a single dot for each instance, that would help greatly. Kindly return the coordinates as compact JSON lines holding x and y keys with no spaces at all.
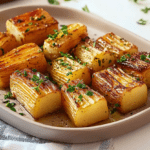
{"x":64,"y":69}
{"x":83,"y":105}
{"x":25,"y":56}
{"x":137,"y":65}
{"x":96,"y":57}
{"x":7,"y":42}
{"x":35,"y":92}
{"x":120,"y":89}
{"x":117,"y":45}
{"x":32,"y":26}
{"x":64,"y":40}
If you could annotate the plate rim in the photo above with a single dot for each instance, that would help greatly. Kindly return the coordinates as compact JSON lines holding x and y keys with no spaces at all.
{"x":107,"y":125}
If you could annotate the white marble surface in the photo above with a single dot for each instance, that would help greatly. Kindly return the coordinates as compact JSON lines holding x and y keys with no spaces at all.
{"x":124,"y":13}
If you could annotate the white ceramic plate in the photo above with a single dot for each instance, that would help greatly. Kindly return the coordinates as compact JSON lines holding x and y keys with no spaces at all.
{"x":96,"y":28}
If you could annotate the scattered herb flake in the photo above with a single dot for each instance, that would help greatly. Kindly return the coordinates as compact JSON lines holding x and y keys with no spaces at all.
{"x":94,"y":44}
{"x":8,"y":95}
{"x":27,"y":30}
{"x":145,"y":10}
{"x":85,"y":8}
{"x":53,"y":2}
{"x":89,"y":93}
{"x":2,"y":50}
{"x":30,"y":23}
{"x":142,"y":57}
{"x":34,"y":70}
{"x":142,"y":22}
{"x":25,"y":73}
{"x":22,"y":114}
{"x":70,"y":88}
{"x":68,"y":73}
{"x":110,"y":61}
{"x":66,"y":55}
{"x":68,"y":80}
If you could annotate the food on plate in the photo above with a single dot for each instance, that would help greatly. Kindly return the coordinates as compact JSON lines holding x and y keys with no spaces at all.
{"x":83,"y":105}
{"x":117,"y":45}
{"x":95,"y":55}
{"x":35,"y":92}
{"x":32,"y":26}
{"x":25,"y":56}
{"x":120,"y":89}
{"x":64,"y":40}
{"x":65,"y":69}
{"x":7,"y":43}
{"x":137,"y":65}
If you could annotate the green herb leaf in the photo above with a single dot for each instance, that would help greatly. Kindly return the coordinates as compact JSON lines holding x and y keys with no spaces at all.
{"x":54,"y":2}
{"x":145,"y":10}
{"x":66,"y":55}
{"x":85,"y":8}
{"x":81,"y":86}
{"x":2,"y":50}
{"x":117,"y":105}
{"x":25,"y":73}
{"x":142,"y":22}
{"x":69,"y":67}
{"x":84,"y":64}
{"x":22,"y":114}
{"x":34,"y":70}
{"x":27,"y":30}
{"x":8,"y":95}
{"x":142,"y":57}
{"x":99,"y":62}
{"x":89,"y":93}
{"x":30,"y":23}
{"x":68,"y":73}
{"x":68,"y":80}
{"x":13,"y":109}
{"x":110,"y":61}
{"x":94,"y":44}
{"x":80,"y":97}
{"x":70,"y":88}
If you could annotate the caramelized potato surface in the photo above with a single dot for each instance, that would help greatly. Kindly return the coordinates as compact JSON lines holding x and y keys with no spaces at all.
{"x":32,"y":27}
{"x":25,"y":56}
{"x":120,"y":88}
{"x":83,"y":105}
{"x":7,"y":43}
{"x":137,"y":65}
{"x":96,"y":57}
{"x":64,"y":70}
{"x":35,"y":92}
{"x":64,"y":40}
{"x":117,"y":45}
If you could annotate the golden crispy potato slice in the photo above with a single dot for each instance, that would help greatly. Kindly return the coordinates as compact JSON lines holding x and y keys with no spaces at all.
{"x":83,"y":105}
{"x":35,"y":92}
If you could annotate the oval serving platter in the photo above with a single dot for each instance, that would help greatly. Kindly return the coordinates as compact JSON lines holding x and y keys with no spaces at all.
{"x":65,"y":131}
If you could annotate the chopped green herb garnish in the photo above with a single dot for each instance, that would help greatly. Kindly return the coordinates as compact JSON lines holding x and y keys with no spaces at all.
{"x":145,"y":10}
{"x":69,"y":67}
{"x":68,"y":80}
{"x":66,"y":55}
{"x":117,"y":105}
{"x":2,"y":50}
{"x":53,"y":44}
{"x":54,"y":35}
{"x":89,"y":93}
{"x":22,"y":114}
{"x":54,"y":82}
{"x":8,"y":95}
{"x":142,"y":57}
{"x":27,"y":30}
{"x":54,"y":2}
{"x":80,"y":97}
{"x":64,"y":64}
{"x":148,"y":56}
{"x":128,"y":55}
{"x":81,"y":86}
{"x":142,"y":22}
{"x":64,"y":29}
{"x":84,"y":64}
{"x":94,"y":44}
{"x":122,"y":59}
{"x":79,"y":61}
{"x":11,"y":106}
{"x":30,"y":23}
{"x":34,"y":70}
{"x":46,"y":77}
{"x":138,"y":79}
{"x":68,"y":73}
{"x":71,"y":88}
{"x":110,"y":61}
{"x":25,"y":73}
{"x":50,"y":63}
{"x":85,"y":8}
{"x":99,"y":62}
{"x":6,"y":101}
{"x":60,"y":86}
